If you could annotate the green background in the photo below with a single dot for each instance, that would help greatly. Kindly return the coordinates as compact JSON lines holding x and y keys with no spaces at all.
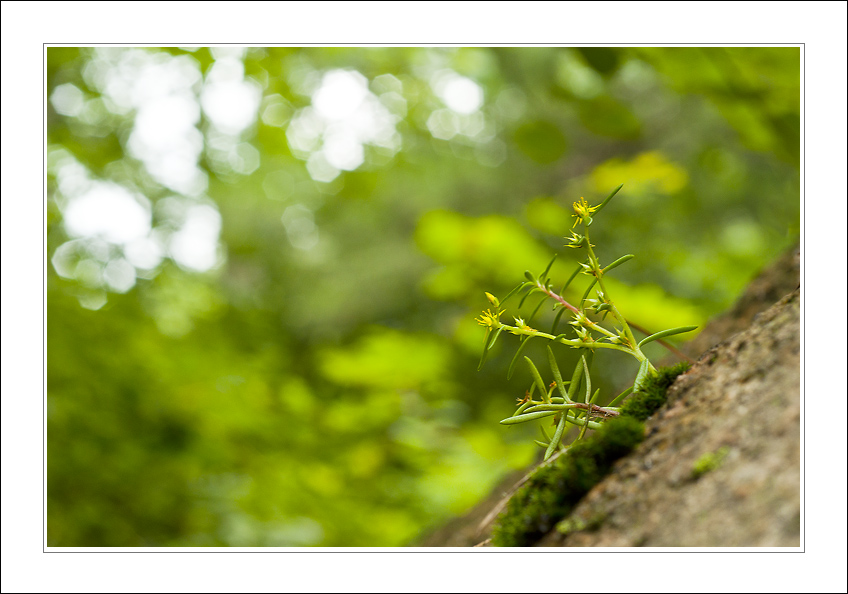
{"x":318,"y":385}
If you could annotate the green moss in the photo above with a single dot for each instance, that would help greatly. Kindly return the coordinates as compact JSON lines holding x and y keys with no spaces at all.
{"x":709,"y":462}
{"x":554,"y":489}
{"x":571,"y":525}
{"x":652,"y":396}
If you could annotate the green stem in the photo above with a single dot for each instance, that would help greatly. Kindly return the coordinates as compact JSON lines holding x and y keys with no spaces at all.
{"x":527,"y":331}
{"x":596,"y":268}
{"x":559,"y":299}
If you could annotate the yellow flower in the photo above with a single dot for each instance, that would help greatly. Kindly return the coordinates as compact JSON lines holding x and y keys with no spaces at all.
{"x":489,"y":318}
{"x":583,"y":212}
{"x":523,"y":326}
{"x":576,"y":240}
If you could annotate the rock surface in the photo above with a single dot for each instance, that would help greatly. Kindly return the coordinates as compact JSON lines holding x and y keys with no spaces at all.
{"x":721,"y":464}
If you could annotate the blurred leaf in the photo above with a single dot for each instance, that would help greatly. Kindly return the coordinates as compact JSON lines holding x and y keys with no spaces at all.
{"x":603,"y":59}
{"x":386,"y":359}
{"x":646,"y":173}
{"x":546,"y":215}
{"x":541,"y":140}
{"x":608,"y":117}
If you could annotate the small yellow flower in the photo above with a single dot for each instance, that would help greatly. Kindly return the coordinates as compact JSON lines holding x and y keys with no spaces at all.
{"x":523,"y":326}
{"x":576,"y":240}
{"x":587,"y":269}
{"x":579,"y":320}
{"x":583,"y":212}
{"x":489,"y":318}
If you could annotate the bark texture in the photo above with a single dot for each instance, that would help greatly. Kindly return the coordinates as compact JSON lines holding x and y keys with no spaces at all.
{"x":721,"y":462}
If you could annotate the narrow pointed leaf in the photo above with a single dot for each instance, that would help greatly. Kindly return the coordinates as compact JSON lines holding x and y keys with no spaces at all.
{"x":538,"y":379}
{"x":618,"y":263}
{"x":486,"y":345}
{"x":641,"y":376}
{"x":570,"y":278}
{"x":557,"y":374}
{"x":619,"y":397}
{"x":594,"y":396}
{"x":521,"y":408}
{"x":526,"y":295}
{"x":581,"y":422}
{"x":554,"y":407}
{"x":586,"y":293}
{"x":491,"y":337}
{"x":544,"y":275}
{"x":515,"y":357}
{"x":514,"y":291}
{"x":608,"y":198}
{"x":556,"y":320}
{"x":665,"y":333}
{"x":497,"y":333}
{"x":528,"y":417}
{"x":536,"y":309}
{"x":557,"y":437}
{"x":575,"y":381}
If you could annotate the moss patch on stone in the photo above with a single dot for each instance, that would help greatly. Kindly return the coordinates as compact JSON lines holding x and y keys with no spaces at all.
{"x":554,"y":489}
{"x":653,"y":393}
{"x":709,"y":462}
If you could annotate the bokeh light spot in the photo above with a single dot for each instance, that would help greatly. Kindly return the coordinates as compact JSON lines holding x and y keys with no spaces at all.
{"x":195,"y":245}
{"x":161,"y":88}
{"x":119,"y":275}
{"x":228,"y":100}
{"x":300,"y":227}
{"x":67,"y":99}
{"x":320,"y":169}
{"x":344,"y":116}
{"x":459,"y":93}
{"x":443,"y":124}
{"x":110,"y":211}
{"x":340,"y":95}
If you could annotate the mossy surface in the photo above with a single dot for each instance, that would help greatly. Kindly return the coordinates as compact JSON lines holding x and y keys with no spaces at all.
{"x":554,"y":489}
{"x":571,"y":524}
{"x":653,"y":393}
{"x":709,"y":462}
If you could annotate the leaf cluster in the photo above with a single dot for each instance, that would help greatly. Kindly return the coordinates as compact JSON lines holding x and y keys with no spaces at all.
{"x":574,"y":405}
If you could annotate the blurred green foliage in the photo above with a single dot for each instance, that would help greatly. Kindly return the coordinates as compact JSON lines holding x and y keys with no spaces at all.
{"x":265,"y":336}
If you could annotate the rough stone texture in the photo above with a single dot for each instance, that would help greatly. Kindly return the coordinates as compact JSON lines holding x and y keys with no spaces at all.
{"x":741,"y":399}
{"x":772,"y":284}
